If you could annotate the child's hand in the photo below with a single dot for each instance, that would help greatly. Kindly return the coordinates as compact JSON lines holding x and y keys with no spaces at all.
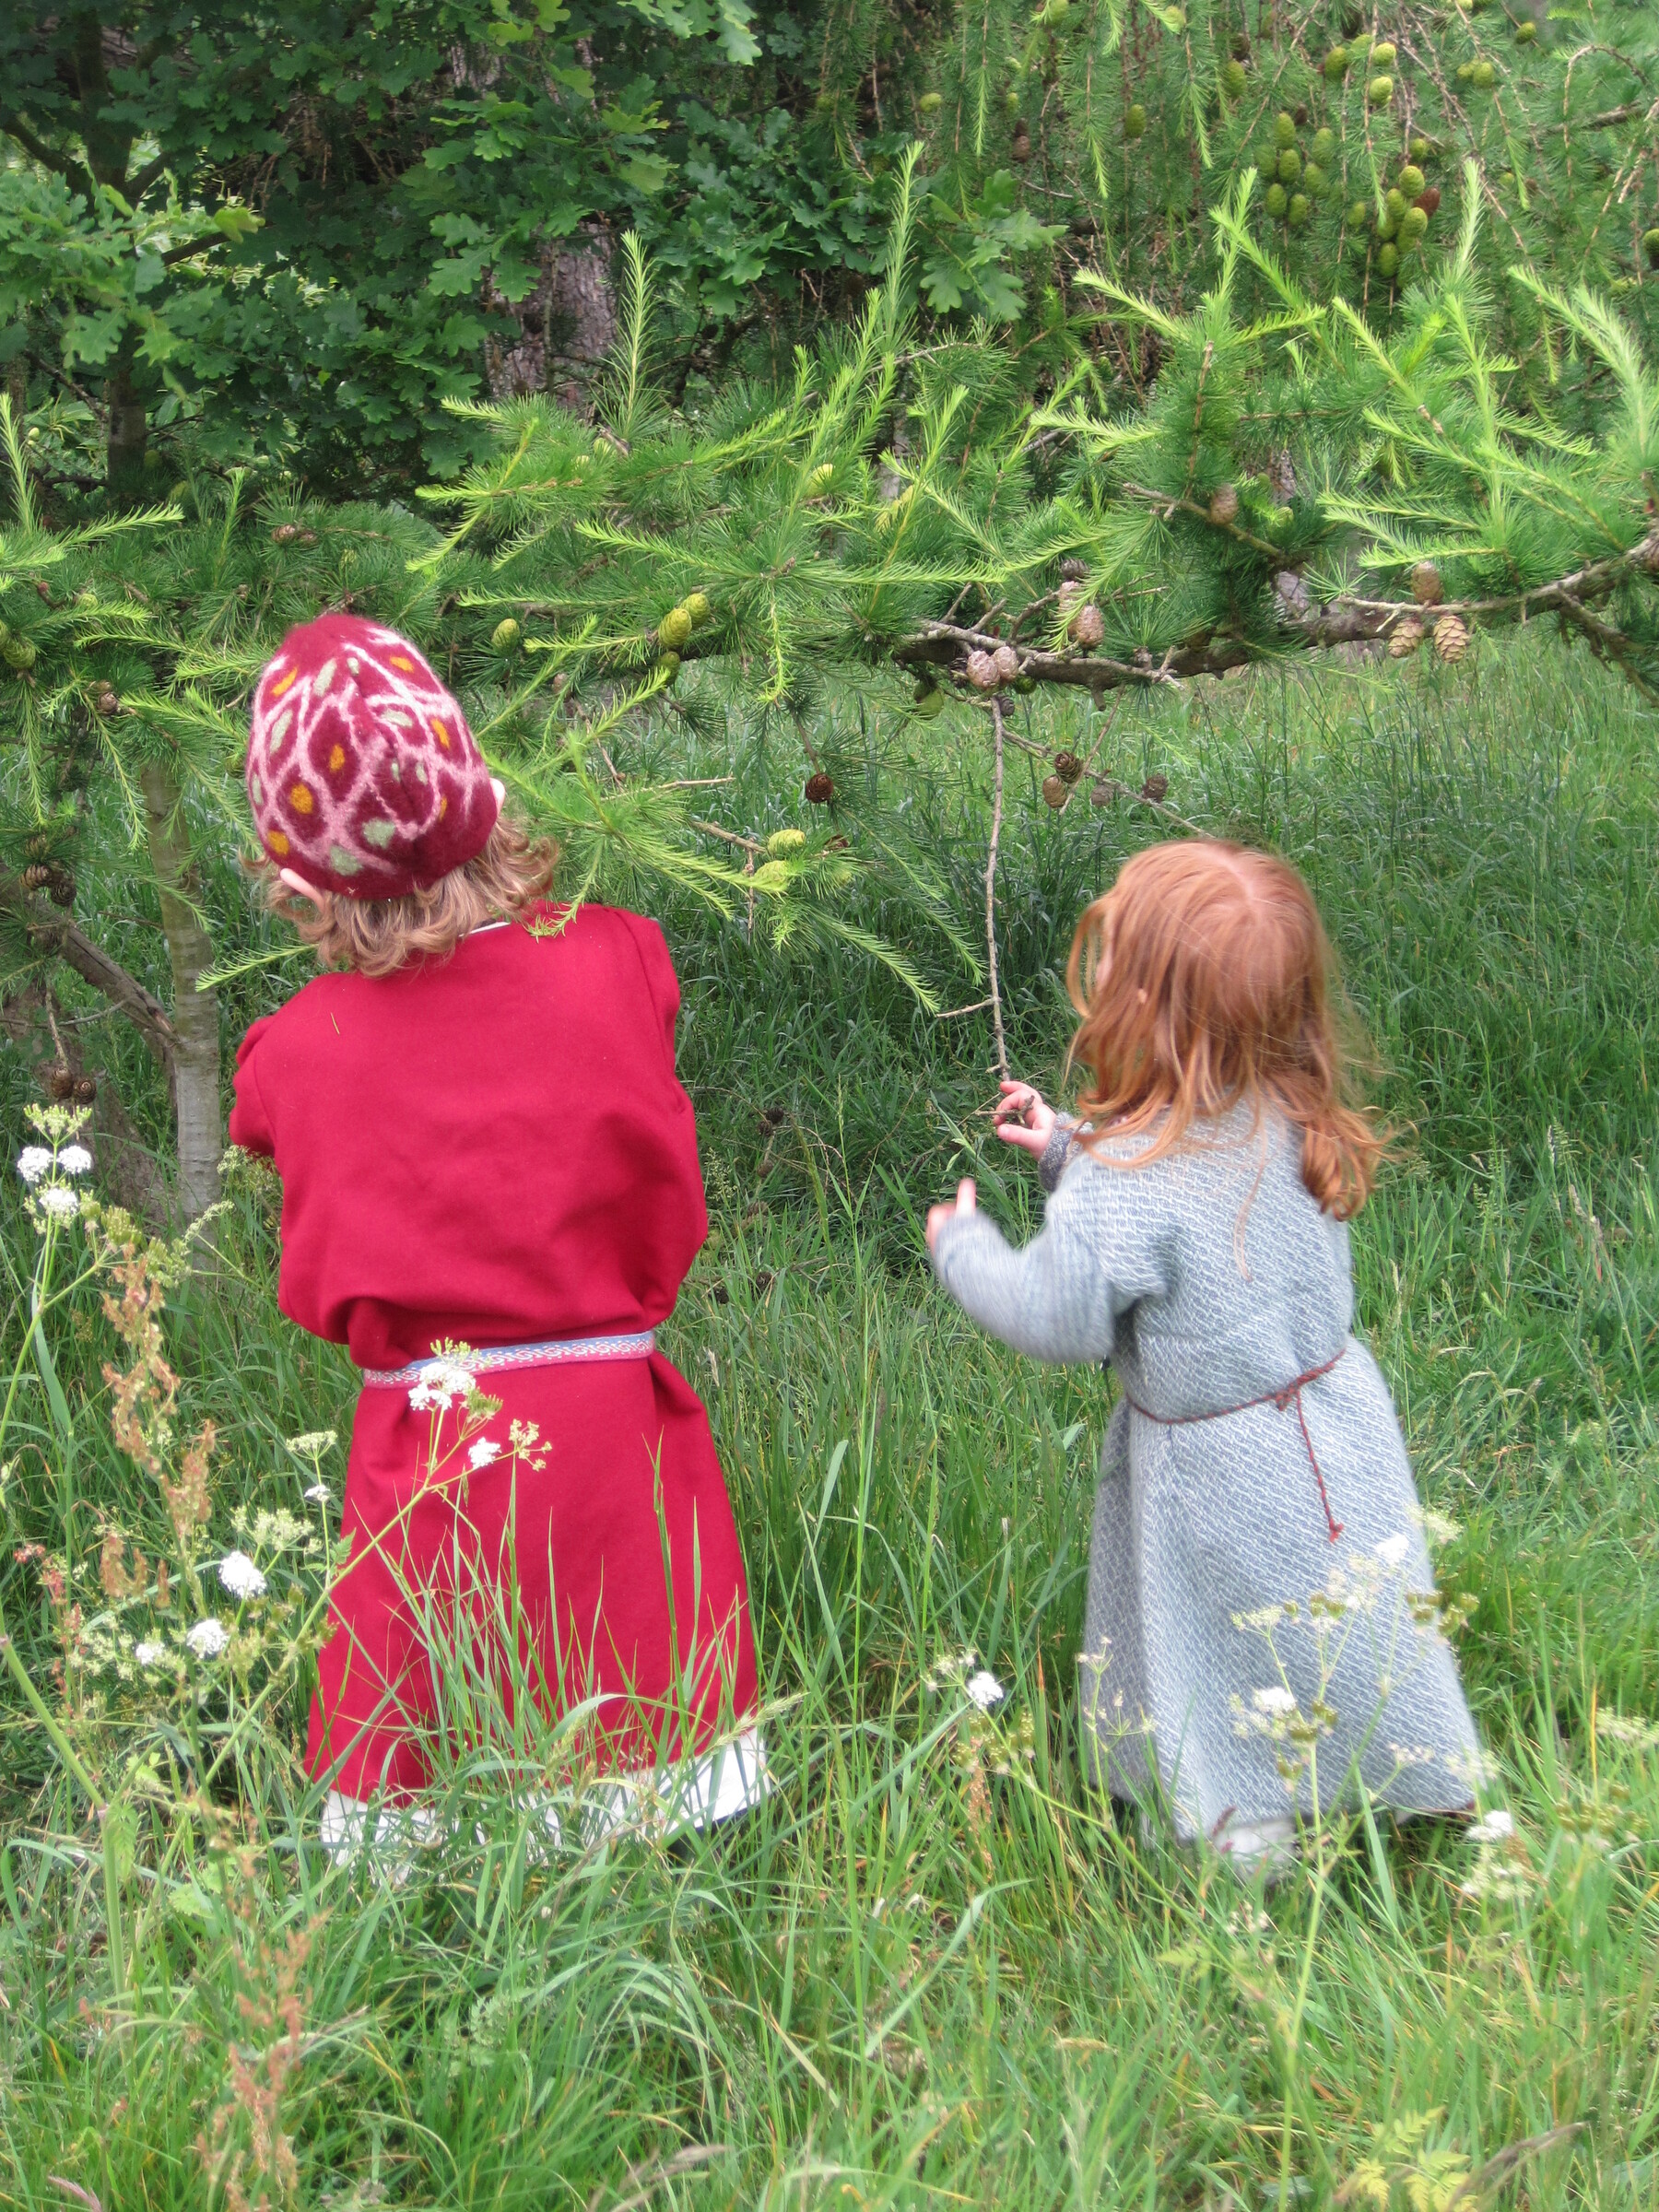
{"x":1024,"y":1117}
{"x":938,"y":1215}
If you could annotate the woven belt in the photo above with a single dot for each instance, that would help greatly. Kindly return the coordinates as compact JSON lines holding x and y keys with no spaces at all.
{"x":1283,"y":1399}
{"x":557,"y":1352}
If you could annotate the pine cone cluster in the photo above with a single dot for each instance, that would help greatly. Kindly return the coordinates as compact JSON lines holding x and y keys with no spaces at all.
{"x":54,"y":879}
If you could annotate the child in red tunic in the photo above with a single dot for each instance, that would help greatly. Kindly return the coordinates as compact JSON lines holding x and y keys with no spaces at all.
{"x":482,"y":1143}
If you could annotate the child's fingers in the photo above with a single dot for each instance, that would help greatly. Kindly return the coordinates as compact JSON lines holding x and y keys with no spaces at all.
{"x":1015,"y":1132}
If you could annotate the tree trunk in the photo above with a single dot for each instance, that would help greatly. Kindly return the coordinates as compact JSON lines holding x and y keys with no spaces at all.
{"x":195,"y":1013}
{"x":128,"y":433}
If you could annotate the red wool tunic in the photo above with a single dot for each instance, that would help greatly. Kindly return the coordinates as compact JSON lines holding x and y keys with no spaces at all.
{"x":494,"y":1150}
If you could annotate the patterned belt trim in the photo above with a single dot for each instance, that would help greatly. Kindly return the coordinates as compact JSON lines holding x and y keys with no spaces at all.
{"x":557,"y":1352}
{"x":1283,"y":1400}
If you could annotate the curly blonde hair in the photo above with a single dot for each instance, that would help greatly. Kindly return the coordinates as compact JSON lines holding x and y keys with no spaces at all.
{"x":376,"y":937}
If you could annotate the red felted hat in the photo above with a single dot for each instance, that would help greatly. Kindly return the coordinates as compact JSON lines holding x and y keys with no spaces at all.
{"x":362,"y":773}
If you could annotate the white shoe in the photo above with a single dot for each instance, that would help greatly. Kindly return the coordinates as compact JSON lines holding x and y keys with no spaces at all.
{"x":343,"y":1832}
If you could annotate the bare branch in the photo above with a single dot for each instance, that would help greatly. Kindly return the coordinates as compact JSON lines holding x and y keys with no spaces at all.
{"x":56,"y":936}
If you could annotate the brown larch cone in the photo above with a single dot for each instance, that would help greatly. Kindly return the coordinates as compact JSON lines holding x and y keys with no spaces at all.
{"x":106,"y":702}
{"x":1426,"y":586}
{"x":1007,"y":662}
{"x":1054,"y":792}
{"x":1224,"y":505}
{"x":285,"y":534}
{"x":1021,"y":148}
{"x":60,"y":1084}
{"x":982,"y":672}
{"x":1451,"y":638}
{"x":1405,"y":637}
{"x":85,"y":1090}
{"x":1428,"y":200}
{"x":819,"y":789}
{"x":1067,"y":767}
{"x":1155,"y":788}
{"x":1104,"y":792}
{"x":1069,"y":598}
{"x":1087,"y":628}
{"x":1074,"y":571}
{"x":36,"y":876}
{"x":60,"y":889}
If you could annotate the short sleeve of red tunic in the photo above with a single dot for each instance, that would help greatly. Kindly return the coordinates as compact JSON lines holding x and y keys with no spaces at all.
{"x":492,"y":1149}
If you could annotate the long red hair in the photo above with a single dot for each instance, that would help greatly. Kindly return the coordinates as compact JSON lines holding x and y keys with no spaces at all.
{"x":1205,"y":980}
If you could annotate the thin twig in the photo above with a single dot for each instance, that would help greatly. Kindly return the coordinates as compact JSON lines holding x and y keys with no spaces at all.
{"x":996,"y":804}
{"x":730,"y":835}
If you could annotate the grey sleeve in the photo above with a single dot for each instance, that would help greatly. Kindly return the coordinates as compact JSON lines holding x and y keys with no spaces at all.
{"x":1059,"y":1297}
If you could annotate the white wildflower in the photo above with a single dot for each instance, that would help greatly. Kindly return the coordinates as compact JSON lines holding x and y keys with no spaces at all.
{"x":1275,"y":1699}
{"x":1496,"y":1826}
{"x":34,"y":1162}
{"x":75,"y":1160}
{"x":60,"y":1201}
{"x":240,"y":1576}
{"x":984,"y":1690}
{"x":1437,"y":1527}
{"x":1624,"y":1728}
{"x":319,"y":1494}
{"x":1264,"y":1620}
{"x":209,"y":1638}
{"x":1393,"y":1550}
{"x":313,"y":1443}
{"x":147,"y":1652}
{"x":484,"y":1451}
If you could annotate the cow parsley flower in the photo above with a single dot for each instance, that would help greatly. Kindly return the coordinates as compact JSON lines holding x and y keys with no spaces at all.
{"x":984,"y":1690}
{"x":313,"y":1443}
{"x":75,"y":1160}
{"x":318,"y":1494}
{"x":1274,"y":1699}
{"x":147,"y":1652}
{"x":240,"y":1576}
{"x":484,"y":1451}
{"x":1392,"y":1550}
{"x":209,"y":1638}
{"x":58,"y":1200}
{"x":1496,"y":1826}
{"x":34,"y":1162}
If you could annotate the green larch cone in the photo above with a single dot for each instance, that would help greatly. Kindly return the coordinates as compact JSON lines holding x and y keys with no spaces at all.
{"x":1411,"y":180}
{"x":1315,"y":178}
{"x":1382,"y":54}
{"x":1526,"y":33}
{"x":929,"y":704}
{"x":1419,"y":150}
{"x":782,"y":844}
{"x":1413,"y":224}
{"x":1393,"y":203}
{"x":1297,"y":213}
{"x":930,"y":103}
{"x":1324,"y":150}
{"x":697,"y":606}
{"x":1483,"y":76}
{"x":1277,"y":202}
{"x":1380,"y":91}
{"x":1135,"y":121}
{"x":1233,"y":79}
{"x":1290,"y":166}
{"x":505,"y":635}
{"x":1336,"y":64}
{"x":1650,"y":243}
{"x":1284,"y":129}
{"x":674,"y":632}
{"x":1360,"y":216}
{"x":1388,"y":259}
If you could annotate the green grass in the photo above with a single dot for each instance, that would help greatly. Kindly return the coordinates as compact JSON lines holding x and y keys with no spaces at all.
{"x":910,"y":1981}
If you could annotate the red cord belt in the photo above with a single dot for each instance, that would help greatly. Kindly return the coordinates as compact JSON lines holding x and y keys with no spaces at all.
{"x":1283,"y":1399}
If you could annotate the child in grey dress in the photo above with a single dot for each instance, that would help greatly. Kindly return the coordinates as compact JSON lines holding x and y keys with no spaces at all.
{"x":1262,"y":1626}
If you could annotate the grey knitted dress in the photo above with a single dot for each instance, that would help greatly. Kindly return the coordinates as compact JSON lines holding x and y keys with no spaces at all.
{"x":1210,"y":1280}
